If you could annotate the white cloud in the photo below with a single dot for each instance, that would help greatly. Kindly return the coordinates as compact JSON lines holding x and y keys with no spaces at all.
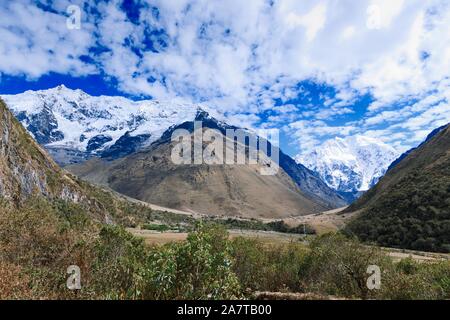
{"x":35,"y":42}
{"x":313,"y":21}
{"x":348,"y":32}
{"x":381,"y":13}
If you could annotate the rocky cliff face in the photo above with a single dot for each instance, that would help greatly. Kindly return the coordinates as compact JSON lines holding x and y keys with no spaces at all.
{"x":25,"y":168}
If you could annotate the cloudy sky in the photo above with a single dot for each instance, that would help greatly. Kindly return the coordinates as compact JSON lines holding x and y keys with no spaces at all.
{"x":315,"y":69}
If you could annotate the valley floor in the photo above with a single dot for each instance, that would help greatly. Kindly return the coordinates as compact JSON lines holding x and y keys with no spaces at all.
{"x":323,"y":222}
{"x":329,"y":221}
{"x":153,"y":237}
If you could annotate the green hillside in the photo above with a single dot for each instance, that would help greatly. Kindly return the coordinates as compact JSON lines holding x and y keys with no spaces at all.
{"x":410,"y":206}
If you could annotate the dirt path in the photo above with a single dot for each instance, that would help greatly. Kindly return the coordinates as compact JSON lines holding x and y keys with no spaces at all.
{"x":323,"y":222}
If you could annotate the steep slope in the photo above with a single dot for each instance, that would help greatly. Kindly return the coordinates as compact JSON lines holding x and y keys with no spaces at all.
{"x":150,"y":175}
{"x":405,"y":154}
{"x":25,"y":168}
{"x":28,"y":172}
{"x":410,"y":205}
{"x":74,"y":126}
{"x":350,"y":165}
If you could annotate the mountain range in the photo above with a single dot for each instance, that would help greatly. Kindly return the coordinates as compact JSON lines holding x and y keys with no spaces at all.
{"x":75,"y":127}
{"x":408,"y":207}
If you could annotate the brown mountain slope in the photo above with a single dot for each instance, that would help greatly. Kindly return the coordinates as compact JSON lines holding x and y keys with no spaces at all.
{"x":228,"y":190}
{"x":410,"y":205}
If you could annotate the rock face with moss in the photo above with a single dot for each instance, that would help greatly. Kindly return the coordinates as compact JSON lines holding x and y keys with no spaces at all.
{"x":26,"y":170}
{"x":410,"y":206}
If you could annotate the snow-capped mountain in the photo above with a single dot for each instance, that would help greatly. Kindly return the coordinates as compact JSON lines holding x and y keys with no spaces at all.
{"x":73,"y":125}
{"x":351,"y":164}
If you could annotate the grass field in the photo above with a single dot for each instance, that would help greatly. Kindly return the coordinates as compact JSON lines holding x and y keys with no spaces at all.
{"x":154,"y":237}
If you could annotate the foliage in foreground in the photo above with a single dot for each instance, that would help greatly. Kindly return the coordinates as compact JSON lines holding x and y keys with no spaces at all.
{"x":38,"y":243}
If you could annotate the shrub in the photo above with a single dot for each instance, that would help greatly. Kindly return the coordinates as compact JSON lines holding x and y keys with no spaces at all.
{"x":200,"y":268}
{"x":262,"y":267}
{"x":338,"y":266}
{"x":117,"y":261}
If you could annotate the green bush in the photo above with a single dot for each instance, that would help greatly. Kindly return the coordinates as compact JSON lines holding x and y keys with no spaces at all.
{"x":200,"y":268}
{"x":262,"y":267}
{"x":118,"y":258}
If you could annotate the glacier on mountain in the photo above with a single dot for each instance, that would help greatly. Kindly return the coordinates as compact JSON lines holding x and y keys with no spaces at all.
{"x":350,"y":164}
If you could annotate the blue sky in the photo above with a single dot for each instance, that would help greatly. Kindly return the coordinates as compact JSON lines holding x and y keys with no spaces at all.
{"x":314,"y":69}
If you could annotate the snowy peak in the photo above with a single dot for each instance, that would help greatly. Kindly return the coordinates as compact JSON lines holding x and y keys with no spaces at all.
{"x":64,"y":119}
{"x":350,"y":164}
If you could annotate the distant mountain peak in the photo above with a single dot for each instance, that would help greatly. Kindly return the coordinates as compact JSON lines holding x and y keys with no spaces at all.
{"x":61,"y":87}
{"x":201,"y":114}
{"x":350,"y":164}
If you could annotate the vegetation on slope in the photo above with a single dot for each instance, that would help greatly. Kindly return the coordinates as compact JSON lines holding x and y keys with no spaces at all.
{"x":410,"y":206}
